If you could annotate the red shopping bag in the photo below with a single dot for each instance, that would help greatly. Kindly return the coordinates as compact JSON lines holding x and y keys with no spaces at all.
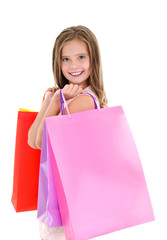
{"x":26,"y":166}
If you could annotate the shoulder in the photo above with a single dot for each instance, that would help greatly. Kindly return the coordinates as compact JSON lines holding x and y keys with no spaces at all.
{"x":80,"y":103}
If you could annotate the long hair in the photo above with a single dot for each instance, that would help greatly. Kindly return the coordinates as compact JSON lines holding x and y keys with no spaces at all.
{"x":96,"y":76}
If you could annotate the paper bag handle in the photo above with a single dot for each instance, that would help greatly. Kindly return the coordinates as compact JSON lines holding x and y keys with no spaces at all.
{"x":63,"y":102}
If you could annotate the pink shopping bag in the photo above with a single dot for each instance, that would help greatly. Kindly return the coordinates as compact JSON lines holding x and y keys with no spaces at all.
{"x":98,"y":175}
{"x":48,"y":206}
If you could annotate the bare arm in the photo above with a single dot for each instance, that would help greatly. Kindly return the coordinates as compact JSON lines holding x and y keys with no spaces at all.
{"x":32,"y":134}
{"x":50,"y":107}
{"x":53,"y":109}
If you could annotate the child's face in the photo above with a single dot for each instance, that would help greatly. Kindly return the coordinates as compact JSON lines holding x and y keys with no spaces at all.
{"x":75,"y":62}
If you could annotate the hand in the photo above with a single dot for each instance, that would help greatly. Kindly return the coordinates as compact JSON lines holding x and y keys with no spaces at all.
{"x":71,"y":90}
{"x":49,"y":93}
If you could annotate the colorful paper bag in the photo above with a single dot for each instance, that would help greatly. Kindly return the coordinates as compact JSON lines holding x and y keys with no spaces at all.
{"x":26,"y":165}
{"x":48,"y":206}
{"x":98,"y":174}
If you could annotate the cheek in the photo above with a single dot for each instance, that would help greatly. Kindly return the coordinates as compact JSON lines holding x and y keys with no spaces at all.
{"x":89,"y":68}
{"x":87,"y":65}
{"x":63,"y":68}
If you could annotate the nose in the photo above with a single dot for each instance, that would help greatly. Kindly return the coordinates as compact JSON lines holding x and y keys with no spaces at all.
{"x":74,"y":64}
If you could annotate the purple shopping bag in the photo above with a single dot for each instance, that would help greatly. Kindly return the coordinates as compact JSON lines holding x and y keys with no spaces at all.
{"x":98,"y":174}
{"x":48,"y":206}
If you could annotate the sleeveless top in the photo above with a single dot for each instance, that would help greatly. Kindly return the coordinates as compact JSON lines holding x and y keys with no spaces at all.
{"x":86,"y":90}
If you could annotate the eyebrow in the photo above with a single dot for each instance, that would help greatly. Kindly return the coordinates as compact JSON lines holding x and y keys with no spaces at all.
{"x":80,"y":54}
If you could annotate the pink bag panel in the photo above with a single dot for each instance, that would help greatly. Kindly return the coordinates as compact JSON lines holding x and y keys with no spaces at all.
{"x":98,"y":174}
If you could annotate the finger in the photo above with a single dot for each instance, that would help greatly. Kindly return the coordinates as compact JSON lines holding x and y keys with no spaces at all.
{"x":67,"y":86}
{"x":77,"y":88}
{"x":72,"y":89}
{"x":54,"y":89}
{"x":80,"y":89}
{"x":48,"y":90}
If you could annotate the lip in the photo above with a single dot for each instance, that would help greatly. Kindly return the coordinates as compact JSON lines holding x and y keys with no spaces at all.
{"x":77,"y":74}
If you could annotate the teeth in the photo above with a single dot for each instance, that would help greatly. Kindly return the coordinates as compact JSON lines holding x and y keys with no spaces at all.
{"x":74,"y":74}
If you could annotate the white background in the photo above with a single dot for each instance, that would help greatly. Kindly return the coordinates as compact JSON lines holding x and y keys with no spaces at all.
{"x":133,"y":41}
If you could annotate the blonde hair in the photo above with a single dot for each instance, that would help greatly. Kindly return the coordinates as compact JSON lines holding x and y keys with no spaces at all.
{"x":96,"y":76}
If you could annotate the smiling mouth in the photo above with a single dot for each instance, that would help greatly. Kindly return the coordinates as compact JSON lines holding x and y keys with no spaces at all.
{"x":76,"y":74}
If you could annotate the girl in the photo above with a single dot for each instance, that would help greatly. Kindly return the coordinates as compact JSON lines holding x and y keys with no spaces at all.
{"x":76,"y":64}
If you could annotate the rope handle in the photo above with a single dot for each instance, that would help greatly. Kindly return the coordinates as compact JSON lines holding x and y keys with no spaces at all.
{"x":63,"y":102}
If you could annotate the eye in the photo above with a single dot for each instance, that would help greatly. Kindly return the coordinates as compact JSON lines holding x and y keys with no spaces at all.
{"x":81,"y":57}
{"x":65,"y":59}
